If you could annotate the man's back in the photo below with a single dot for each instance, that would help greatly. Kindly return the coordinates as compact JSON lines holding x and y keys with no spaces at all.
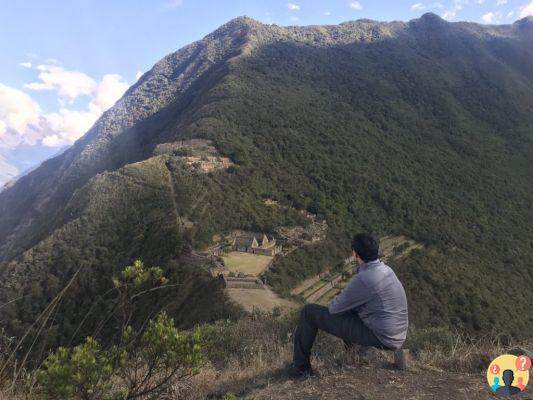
{"x":379,"y":298}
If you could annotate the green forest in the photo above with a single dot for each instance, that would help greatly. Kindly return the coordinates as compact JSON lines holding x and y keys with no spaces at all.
{"x":424,"y":133}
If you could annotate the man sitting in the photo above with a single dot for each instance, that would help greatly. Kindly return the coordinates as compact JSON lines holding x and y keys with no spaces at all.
{"x":370,"y":311}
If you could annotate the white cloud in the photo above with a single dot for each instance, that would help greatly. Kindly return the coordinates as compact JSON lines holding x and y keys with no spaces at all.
{"x":25,"y":64}
{"x":138,"y":75}
{"x":108,"y":91}
{"x":526,"y":10}
{"x":327,"y":13}
{"x":293,"y":7}
{"x":510,"y":14}
{"x":355,"y":5}
{"x":66,"y":126}
{"x":449,"y":15}
{"x":68,"y":84}
{"x":18,"y":113}
{"x":418,"y":7}
{"x":457,"y":6}
{"x":490,"y":17}
{"x":501,"y":2}
{"x":480,"y":1}
{"x":23,"y":122}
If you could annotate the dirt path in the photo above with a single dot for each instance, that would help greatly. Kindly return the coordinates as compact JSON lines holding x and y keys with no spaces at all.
{"x":366,"y":383}
{"x":181,"y":222}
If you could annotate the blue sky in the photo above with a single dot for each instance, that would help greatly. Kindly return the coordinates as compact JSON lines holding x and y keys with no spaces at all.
{"x":62,"y":63}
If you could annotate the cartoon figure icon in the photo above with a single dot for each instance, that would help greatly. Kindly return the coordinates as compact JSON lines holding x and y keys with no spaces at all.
{"x":496,"y":384}
{"x":508,"y":389}
{"x":520,"y":383}
{"x":508,"y":375}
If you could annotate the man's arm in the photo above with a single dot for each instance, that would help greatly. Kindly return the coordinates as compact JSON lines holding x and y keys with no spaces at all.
{"x":353,"y":295}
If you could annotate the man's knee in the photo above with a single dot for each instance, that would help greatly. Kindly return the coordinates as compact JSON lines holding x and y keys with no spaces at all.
{"x":311,"y":311}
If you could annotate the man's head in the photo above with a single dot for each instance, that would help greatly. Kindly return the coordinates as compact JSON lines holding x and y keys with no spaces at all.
{"x":508,"y":377}
{"x":365,"y":247}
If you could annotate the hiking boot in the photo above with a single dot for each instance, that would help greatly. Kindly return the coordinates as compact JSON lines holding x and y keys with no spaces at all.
{"x":294,"y":372}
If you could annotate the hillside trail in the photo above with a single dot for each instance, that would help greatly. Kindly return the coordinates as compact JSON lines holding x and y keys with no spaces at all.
{"x":373,"y":383}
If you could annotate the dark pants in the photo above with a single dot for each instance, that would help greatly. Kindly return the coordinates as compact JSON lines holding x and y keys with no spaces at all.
{"x":347,"y":326}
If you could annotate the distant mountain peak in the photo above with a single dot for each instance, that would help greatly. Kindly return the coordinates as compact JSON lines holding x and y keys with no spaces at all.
{"x":525,"y":21}
{"x":524,"y":26}
{"x":239,"y":23}
{"x":245,"y":20}
{"x":396,"y":127}
{"x":430,"y":17}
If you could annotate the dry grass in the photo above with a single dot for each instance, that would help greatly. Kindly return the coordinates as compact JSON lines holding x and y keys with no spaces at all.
{"x":247,"y":263}
{"x":255,"y":351}
{"x":262,"y":299}
{"x":247,"y":357}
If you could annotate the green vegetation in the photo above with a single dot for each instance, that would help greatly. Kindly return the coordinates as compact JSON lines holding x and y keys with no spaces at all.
{"x":420,"y":129}
{"x":246,"y":263}
{"x":238,"y":357}
{"x":304,"y":262}
{"x":402,"y":135}
{"x":142,"y":365}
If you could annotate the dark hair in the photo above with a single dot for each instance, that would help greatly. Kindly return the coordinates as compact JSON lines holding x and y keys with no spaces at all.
{"x":365,"y":246}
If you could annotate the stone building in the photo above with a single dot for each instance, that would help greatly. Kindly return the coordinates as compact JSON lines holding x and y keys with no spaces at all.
{"x":257,"y":243}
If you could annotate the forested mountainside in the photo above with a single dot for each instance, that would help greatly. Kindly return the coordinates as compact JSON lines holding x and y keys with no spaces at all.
{"x":422,"y":129}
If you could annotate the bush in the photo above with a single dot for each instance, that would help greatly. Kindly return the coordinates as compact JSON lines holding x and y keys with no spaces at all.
{"x":143,"y":365}
{"x":82,"y":372}
{"x":439,"y":338}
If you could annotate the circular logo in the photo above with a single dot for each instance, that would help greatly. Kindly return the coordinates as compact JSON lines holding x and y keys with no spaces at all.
{"x":508,"y":375}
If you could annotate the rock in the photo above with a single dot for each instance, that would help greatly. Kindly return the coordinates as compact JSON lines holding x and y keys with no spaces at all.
{"x":400,"y":359}
{"x":373,"y":356}
{"x":370,"y":355}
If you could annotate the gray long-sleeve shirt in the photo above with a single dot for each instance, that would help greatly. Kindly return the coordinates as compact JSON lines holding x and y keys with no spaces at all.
{"x":379,"y":298}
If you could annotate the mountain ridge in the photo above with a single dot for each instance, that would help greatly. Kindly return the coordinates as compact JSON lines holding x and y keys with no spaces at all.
{"x":418,"y":128}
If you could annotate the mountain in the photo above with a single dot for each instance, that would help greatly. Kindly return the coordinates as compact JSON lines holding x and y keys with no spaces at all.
{"x":420,"y":129}
{"x":25,"y":159}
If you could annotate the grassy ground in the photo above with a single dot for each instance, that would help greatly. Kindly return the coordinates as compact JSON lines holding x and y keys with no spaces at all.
{"x":303,"y":286}
{"x":309,"y":291}
{"x":326,"y":297}
{"x":246,"y":358}
{"x":246,"y":263}
{"x":258,"y":299}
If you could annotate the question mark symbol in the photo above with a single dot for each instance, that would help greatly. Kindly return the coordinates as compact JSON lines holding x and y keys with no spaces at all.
{"x":495,"y":369}
{"x":523,"y":363}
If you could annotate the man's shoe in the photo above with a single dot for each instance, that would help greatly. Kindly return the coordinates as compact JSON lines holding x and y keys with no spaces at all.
{"x":294,"y":372}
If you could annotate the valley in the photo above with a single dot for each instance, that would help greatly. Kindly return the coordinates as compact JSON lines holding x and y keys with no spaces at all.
{"x":306,"y":135}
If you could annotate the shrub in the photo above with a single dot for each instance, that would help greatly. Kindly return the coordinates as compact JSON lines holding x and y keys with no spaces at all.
{"x":79,"y":373}
{"x":434,"y":338}
{"x":142,"y":365}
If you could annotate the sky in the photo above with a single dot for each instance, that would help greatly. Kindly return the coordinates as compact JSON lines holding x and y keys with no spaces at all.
{"x":64,"y":62}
